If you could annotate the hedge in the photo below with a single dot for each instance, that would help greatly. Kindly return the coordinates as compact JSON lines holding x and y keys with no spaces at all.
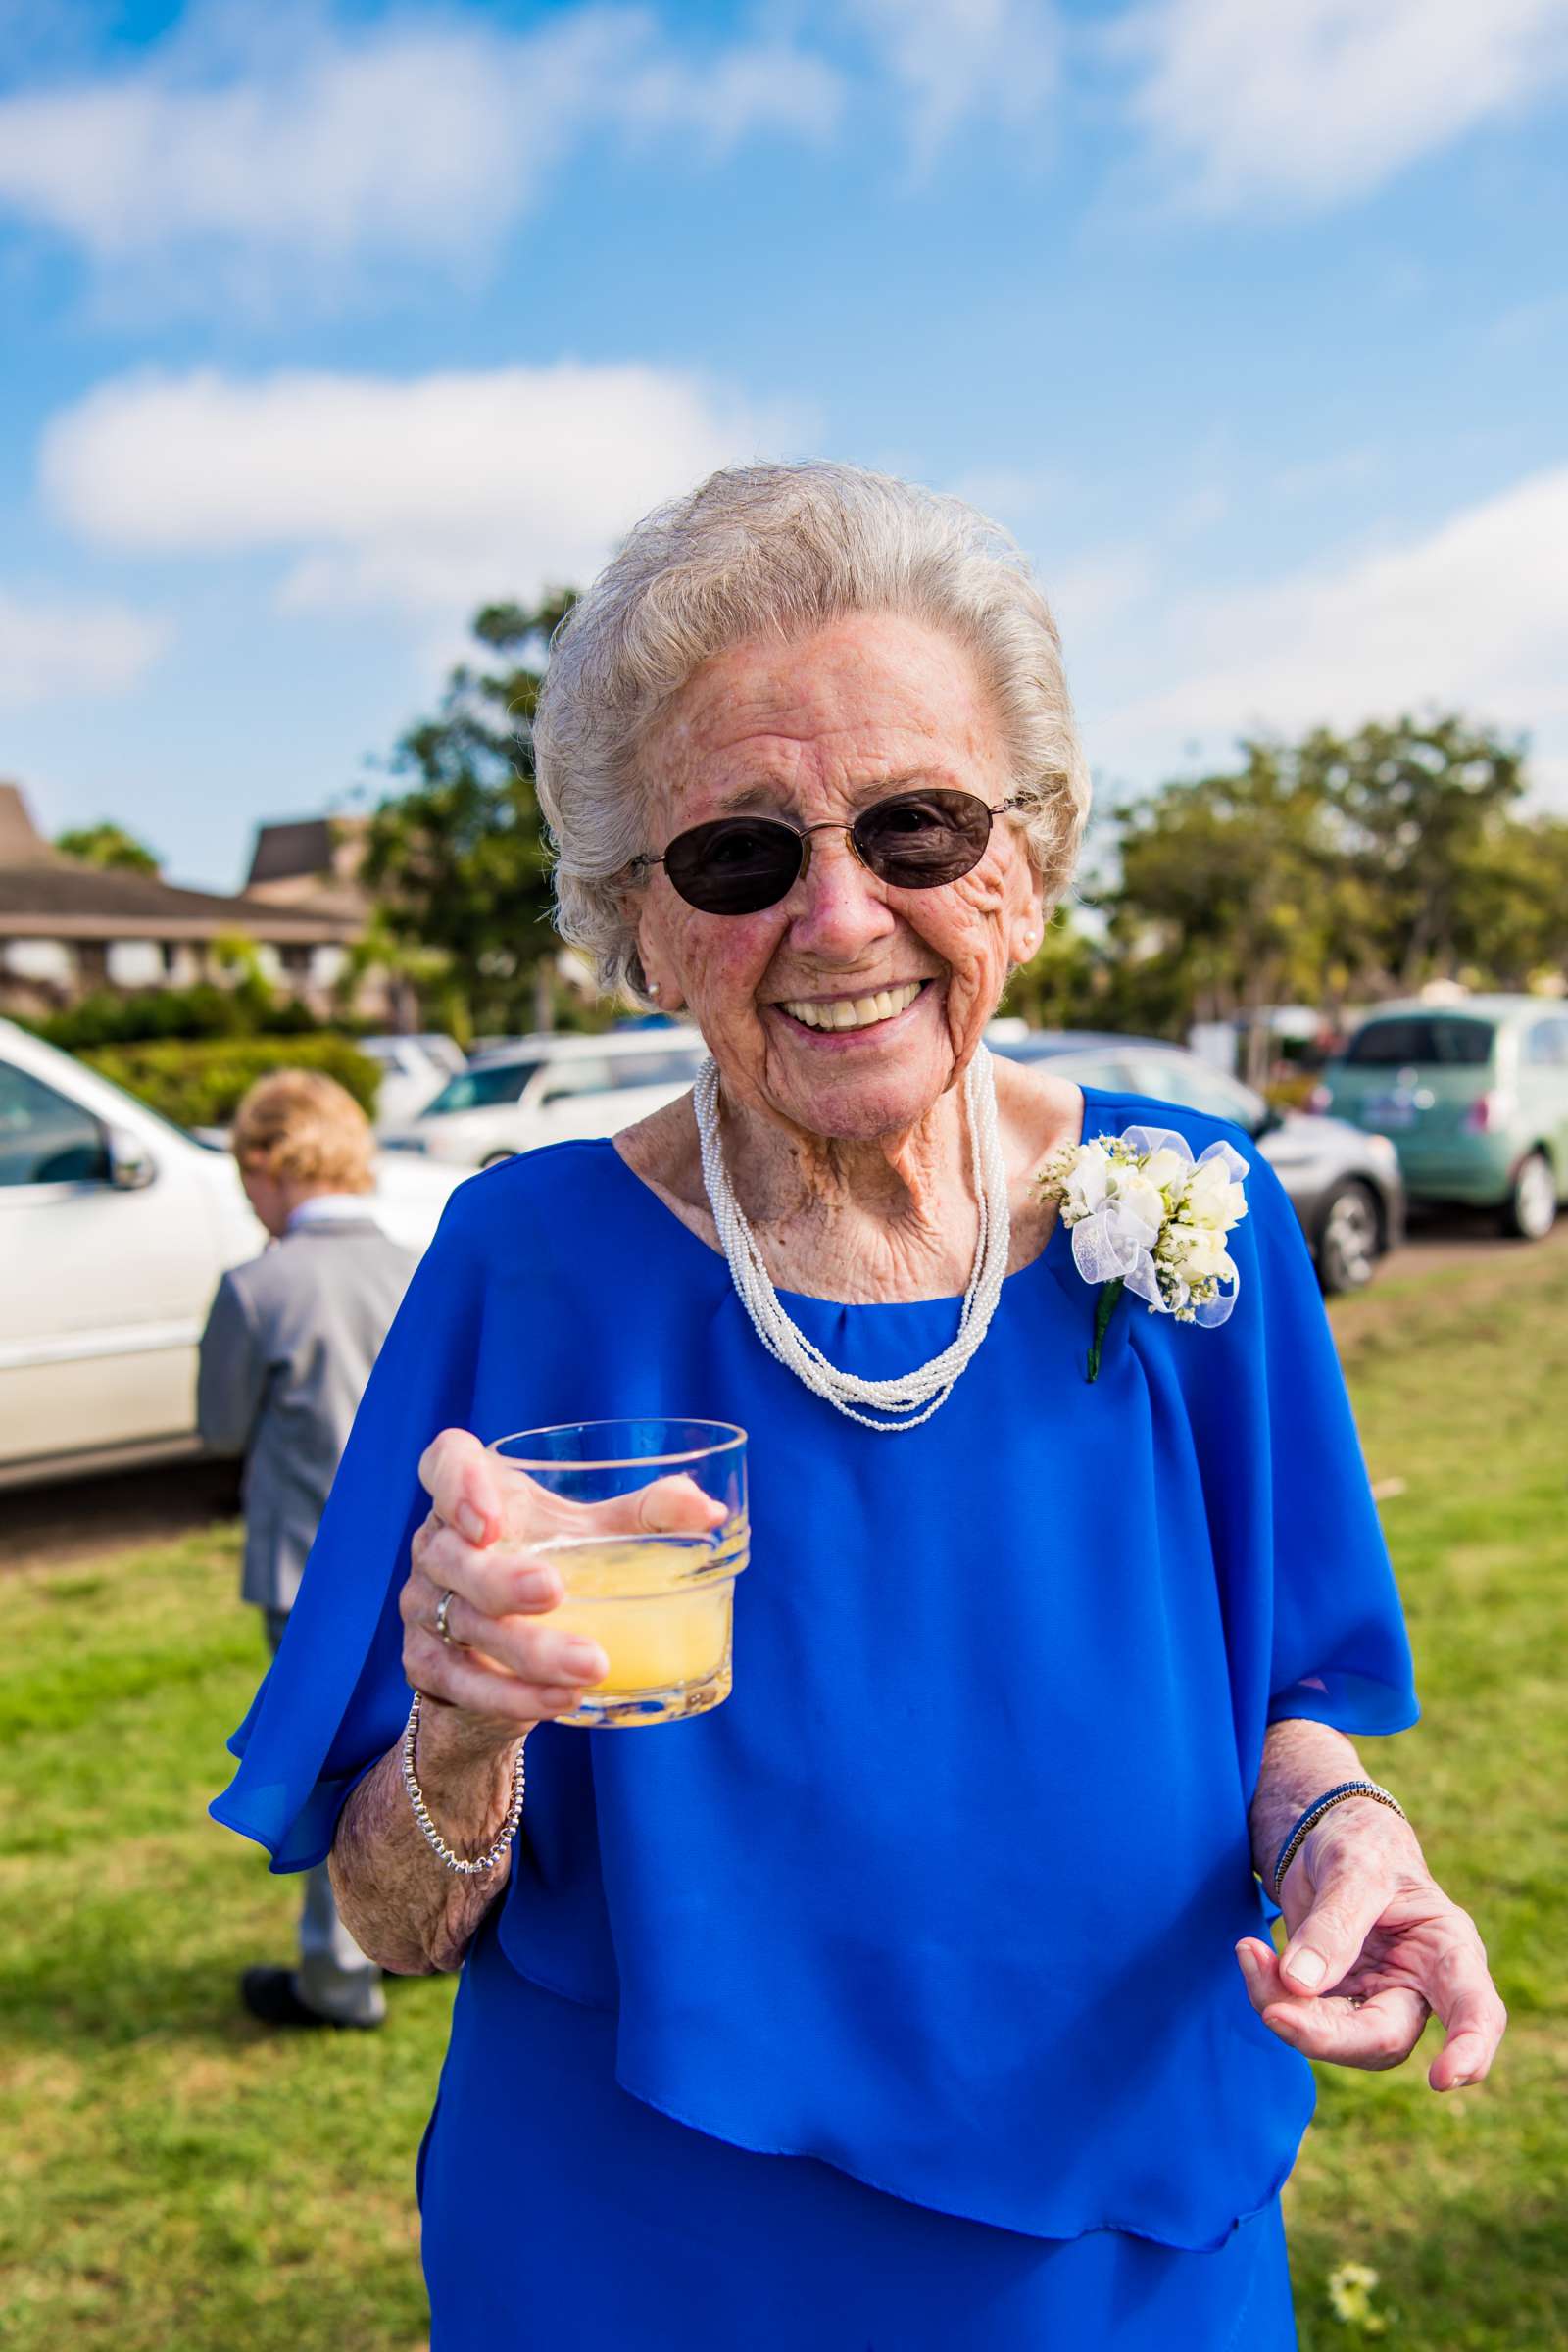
{"x":199,"y":1083}
{"x":112,"y":1016}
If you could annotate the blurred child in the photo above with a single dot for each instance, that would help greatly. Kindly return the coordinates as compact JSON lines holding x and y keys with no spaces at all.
{"x":284,"y":1360}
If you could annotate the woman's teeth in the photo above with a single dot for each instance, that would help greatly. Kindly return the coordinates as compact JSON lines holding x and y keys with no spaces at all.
{"x":853,"y":1012}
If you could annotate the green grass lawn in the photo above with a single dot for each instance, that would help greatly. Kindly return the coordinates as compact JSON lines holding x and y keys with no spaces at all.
{"x":178,"y":2179}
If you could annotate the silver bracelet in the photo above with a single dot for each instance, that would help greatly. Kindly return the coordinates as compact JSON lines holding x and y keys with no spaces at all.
{"x":470,"y":1868}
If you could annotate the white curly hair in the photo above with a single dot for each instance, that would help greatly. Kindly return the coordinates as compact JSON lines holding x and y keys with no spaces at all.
{"x":775,"y":551}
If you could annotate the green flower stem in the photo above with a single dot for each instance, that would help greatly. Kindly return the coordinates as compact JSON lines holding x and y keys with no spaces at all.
{"x":1104,"y":1308}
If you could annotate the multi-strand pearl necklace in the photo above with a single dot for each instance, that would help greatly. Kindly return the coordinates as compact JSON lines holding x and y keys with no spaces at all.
{"x":931,"y":1383}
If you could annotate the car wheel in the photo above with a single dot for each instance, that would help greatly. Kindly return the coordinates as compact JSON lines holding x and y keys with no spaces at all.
{"x":1348,"y":1239}
{"x":1531,"y":1211}
{"x":495,"y":1160}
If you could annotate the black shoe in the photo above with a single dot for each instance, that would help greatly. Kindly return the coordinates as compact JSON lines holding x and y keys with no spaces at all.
{"x":269,"y":1993}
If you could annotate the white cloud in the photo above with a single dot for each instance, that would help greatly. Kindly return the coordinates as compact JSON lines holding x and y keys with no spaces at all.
{"x":1307,"y":103}
{"x":955,"y":59}
{"x":1090,"y":594}
{"x":427,"y":495}
{"x":1473,"y":615}
{"x":250,"y":146}
{"x":53,"y":647}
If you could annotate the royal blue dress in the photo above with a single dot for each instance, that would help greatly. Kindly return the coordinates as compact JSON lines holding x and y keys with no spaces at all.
{"x":893,"y":2003}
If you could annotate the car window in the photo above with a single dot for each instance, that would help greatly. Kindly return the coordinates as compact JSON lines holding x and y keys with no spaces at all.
{"x":1035,"y":1048}
{"x":588,"y":1074}
{"x":1187,"y":1078}
{"x":1435,"y":1041}
{"x":1107,"y":1071}
{"x":444,"y":1050}
{"x":481,"y":1087}
{"x":44,"y":1137}
{"x":1547,"y":1044}
{"x":676,"y":1067}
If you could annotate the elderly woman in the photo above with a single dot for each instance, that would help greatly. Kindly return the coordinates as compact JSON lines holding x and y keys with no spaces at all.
{"x":920,"y":1996}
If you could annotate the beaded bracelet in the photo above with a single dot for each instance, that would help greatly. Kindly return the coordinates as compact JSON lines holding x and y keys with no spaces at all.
{"x":1314,"y":1813}
{"x":421,"y":1811}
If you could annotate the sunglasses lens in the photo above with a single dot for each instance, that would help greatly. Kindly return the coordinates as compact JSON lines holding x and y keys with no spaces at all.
{"x":736,"y":866}
{"x":919,"y":840}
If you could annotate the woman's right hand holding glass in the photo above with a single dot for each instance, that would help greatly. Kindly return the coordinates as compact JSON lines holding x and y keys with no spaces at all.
{"x":504,"y":1667}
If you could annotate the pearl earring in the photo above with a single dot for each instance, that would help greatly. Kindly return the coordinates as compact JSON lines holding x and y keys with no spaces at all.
{"x":652,"y":988}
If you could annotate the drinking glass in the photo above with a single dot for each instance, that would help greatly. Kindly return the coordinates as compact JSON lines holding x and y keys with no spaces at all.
{"x":661,"y":1606}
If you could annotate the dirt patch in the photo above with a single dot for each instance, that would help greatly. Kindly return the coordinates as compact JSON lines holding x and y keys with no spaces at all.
{"x":90,"y":1518}
{"x":1475,"y":1285}
{"x":1456,"y":1237}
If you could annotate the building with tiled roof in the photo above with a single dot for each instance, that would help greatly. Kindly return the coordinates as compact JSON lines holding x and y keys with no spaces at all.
{"x":311,"y":859}
{"x":66,"y":926}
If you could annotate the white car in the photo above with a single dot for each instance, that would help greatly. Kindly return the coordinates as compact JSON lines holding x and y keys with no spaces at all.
{"x":549,"y":1090}
{"x":114,"y":1228}
{"x":412,"y":1073}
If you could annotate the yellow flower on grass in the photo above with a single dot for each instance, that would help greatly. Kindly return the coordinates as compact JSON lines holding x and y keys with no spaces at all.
{"x":1350,"y":2289}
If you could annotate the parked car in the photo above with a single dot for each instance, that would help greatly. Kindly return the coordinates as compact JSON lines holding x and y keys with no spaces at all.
{"x":114,"y":1228}
{"x":1343,"y":1184}
{"x":412,"y":1074}
{"x":1474,"y":1096}
{"x":442,"y":1048}
{"x":546,"y":1089}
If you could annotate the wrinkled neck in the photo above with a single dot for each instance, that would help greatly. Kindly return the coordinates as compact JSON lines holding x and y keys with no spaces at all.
{"x":893,"y":1205}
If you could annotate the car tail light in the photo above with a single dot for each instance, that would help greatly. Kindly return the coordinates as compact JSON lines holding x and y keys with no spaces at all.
{"x":1321,"y":1098}
{"x":1488,"y":1113}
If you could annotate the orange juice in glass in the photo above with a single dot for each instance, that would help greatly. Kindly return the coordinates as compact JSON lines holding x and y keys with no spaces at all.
{"x":660,"y":1604}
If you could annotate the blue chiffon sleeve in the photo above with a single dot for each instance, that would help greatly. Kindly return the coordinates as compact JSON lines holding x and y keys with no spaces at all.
{"x":336,"y":1698}
{"x":1340,"y":1653}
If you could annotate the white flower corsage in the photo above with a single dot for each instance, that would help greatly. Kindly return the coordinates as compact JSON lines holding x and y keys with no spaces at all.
{"x":1147,"y":1216}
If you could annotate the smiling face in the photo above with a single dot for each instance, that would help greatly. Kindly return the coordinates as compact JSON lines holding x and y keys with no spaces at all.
{"x":814,"y":731}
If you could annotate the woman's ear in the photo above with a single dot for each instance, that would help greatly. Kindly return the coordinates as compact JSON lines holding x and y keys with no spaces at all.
{"x":1025,"y":931}
{"x":664,"y":993}
{"x":655,"y":978}
{"x":658,"y":979}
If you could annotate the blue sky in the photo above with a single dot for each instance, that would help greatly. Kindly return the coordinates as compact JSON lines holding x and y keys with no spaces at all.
{"x":323,"y":326}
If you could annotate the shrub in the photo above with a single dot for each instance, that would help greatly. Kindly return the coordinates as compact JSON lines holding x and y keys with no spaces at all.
{"x":112,"y":1016}
{"x":199,"y":1083}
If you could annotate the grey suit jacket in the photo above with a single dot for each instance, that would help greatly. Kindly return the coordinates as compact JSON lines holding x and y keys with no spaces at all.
{"x":284,"y":1360}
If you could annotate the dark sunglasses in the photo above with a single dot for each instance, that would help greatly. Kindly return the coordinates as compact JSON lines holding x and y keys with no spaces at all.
{"x":912,"y":841}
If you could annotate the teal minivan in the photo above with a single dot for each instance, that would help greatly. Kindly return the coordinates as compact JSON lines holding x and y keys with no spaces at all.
{"x":1473,"y":1097}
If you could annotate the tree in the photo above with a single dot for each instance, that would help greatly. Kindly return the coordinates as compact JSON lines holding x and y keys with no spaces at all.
{"x":1421,"y":806}
{"x":1515,"y":881}
{"x":1230,"y":894}
{"x":109,"y":844}
{"x":1337,"y":869}
{"x":413,"y":976}
{"x":461,"y":857}
{"x":1060,"y":986}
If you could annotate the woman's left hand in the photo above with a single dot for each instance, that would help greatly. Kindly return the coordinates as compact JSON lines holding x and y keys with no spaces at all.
{"x":1375,"y":1948}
